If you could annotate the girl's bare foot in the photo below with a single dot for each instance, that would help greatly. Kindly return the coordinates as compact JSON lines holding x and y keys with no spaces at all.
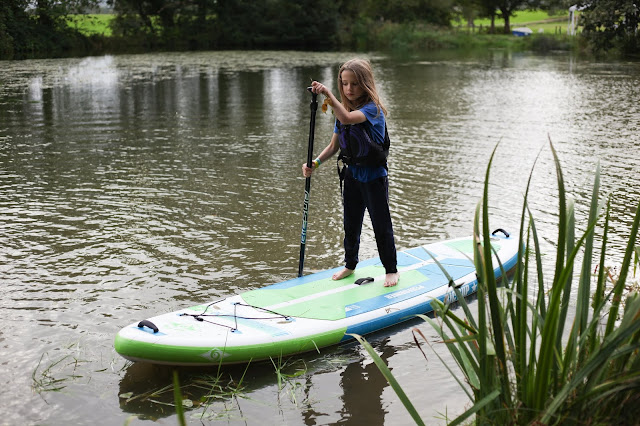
{"x":391,"y":280}
{"x":342,"y":274}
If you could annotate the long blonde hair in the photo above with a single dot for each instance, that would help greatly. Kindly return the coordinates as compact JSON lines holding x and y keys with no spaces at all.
{"x":361,"y":68}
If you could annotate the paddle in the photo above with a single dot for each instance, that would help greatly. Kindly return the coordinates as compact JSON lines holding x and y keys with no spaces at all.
{"x":307,"y":185}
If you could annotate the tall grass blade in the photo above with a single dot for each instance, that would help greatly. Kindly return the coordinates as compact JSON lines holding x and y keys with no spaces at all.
{"x":495,"y":309}
{"x":538,"y":320}
{"x":542,"y":305}
{"x":624,"y":270}
{"x":485,"y":374}
{"x":509,"y":309}
{"x":177,"y":398}
{"x":476,"y":408}
{"x":576,"y":345}
{"x":570,"y":229}
{"x":598,"y":297}
{"x":562,"y":216}
{"x":392,"y":380}
{"x":454,"y":287}
{"x":584,"y":286}
{"x":513,"y":356}
{"x":521,"y":284}
{"x":546,"y":361}
{"x":598,"y":303}
{"x":465,"y":352}
{"x":598,"y":360}
{"x":554,"y":314}
{"x":446,"y":364}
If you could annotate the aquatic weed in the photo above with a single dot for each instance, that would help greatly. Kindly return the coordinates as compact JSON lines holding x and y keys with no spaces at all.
{"x":289,"y":380}
{"x":54,"y":375}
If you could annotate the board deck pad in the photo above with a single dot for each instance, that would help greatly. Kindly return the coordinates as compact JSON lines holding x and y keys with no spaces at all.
{"x":317,"y":300}
{"x":310,"y":312}
{"x":321,"y":299}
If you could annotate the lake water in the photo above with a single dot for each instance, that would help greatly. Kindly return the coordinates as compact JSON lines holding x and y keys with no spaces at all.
{"x":136,"y":185}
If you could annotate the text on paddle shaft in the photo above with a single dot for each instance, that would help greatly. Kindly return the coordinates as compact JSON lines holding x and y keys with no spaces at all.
{"x":305,"y":213}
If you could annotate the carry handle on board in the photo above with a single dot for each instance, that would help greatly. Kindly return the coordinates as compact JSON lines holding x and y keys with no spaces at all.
{"x":147,"y":323}
{"x":307,"y":184}
{"x":506,"y":234}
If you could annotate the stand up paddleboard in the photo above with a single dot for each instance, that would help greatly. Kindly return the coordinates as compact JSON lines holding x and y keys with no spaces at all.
{"x":310,"y":312}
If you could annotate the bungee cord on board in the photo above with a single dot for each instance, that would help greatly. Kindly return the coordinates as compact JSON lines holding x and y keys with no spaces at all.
{"x":235,"y":316}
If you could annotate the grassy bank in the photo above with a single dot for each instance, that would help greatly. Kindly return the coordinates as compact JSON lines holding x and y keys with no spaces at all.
{"x":98,"y":24}
{"x":549,"y":33}
{"x":539,"y":21}
{"x":368,"y":35}
{"x":92,"y":24}
{"x":418,"y":37}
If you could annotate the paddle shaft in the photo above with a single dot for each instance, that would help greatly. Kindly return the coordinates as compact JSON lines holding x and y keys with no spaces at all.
{"x":307,"y":184}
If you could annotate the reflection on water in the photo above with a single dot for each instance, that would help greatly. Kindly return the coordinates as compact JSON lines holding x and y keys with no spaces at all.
{"x":343,"y":380}
{"x":134,"y":185}
{"x":362,"y":386}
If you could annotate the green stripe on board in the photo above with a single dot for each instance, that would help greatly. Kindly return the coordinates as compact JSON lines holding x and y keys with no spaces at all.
{"x":465,"y":246}
{"x":267,"y":296}
{"x":332,"y":306}
{"x":159,"y":353}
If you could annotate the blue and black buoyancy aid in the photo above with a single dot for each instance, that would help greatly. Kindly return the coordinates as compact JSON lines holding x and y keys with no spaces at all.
{"x":357,"y":146}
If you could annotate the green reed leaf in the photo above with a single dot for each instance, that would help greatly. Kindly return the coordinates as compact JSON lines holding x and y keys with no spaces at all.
{"x":177,"y":397}
{"x":390,"y":378}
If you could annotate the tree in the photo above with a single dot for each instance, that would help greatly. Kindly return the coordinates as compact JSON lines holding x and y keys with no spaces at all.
{"x":169,"y":23}
{"x":611,"y":24}
{"x":278,"y":23}
{"x":488,"y":8}
{"x":32,"y":28}
{"x":508,"y":8}
{"x":437,"y":12}
{"x":52,"y":14}
{"x":198,"y":24}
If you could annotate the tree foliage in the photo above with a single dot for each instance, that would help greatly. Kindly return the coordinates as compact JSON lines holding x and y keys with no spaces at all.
{"x":30,"y":28}
{"x":612,"y":24}
{"x":229,"y":23}
{"x":508,"y":8}
{"x":288,"y":23}
{"x":437,"y":12}
{"x":267,"y":23}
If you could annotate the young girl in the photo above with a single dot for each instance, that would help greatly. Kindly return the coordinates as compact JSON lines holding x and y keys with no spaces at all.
{"x":359,"y":116}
